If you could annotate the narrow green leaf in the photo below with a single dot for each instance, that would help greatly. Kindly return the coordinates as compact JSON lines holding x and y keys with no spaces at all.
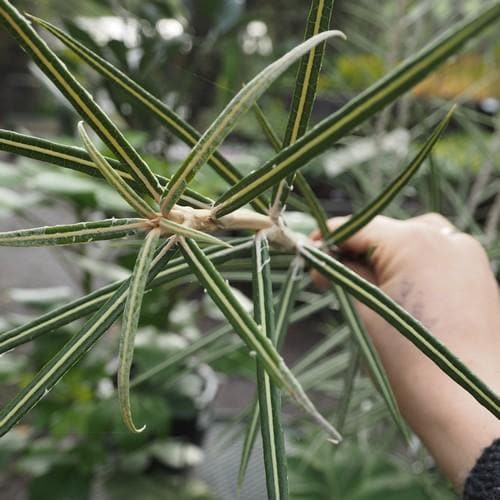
{"x":172,"y":227}
{"x":347,"y":390}
{"x":249,"y":442}
{"x":79,"y":308}
{"x":130,"y":324}
{"x":364,"y":216}
{"x":79,"y":98}
{"x":249,"y":332}
{"x":113,"y":177}
{"x":78,"y":159}
{"x":265,"y":125}
{"x":71,"y":234}
{"x":333,"y":341}
{"x":268,"y":393}
{"x":306,"y":84}
{"x":408,"y":326}
{"x":159,"y":110}
{"x":434,"y":185}
{"x":70,"y":353}
{"x":225,"y":122}
{"x":370,"y":356}
{"x":340,"y":123}
{"x":288,"y":296}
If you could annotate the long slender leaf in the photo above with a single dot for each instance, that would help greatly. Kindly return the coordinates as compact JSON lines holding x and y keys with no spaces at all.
{"x":408,"y":326}
{"x":180,"y":128}
{"x":252,"y":429}
{"x":79,"y":98}
{"x":306,"y":86}
{"x":225,"y":122}
{"x":360,"y":219}
{"x":268,"y":393}
{"x":71,"y":234}
{"x":349,"y":380}
{"x":130,"y":324}
{"x":78,"y":159}
{"x":334,"y":339}
{"x":340,"y":123}
{"x":71,"y":352}
{"x":248,"y":330}
{"x":114,"y":178}
{"x":288,"y":296}
{"x":83,"y":306}
{"x":284,"y":316}
{"x":370,"y":355}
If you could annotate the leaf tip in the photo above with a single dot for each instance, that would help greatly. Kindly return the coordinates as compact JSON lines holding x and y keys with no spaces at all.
{"x":339,"y":34}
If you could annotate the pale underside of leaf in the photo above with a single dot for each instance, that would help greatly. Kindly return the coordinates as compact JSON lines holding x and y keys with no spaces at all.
{"x":130,"y":324}
{"x":113,"y":177}
{"x":171,"y":227}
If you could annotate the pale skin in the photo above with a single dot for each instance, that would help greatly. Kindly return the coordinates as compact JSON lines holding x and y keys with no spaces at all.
{"x":444,"y":279}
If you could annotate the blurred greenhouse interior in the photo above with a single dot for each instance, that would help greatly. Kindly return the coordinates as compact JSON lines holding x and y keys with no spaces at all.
{"x":195,"y":55}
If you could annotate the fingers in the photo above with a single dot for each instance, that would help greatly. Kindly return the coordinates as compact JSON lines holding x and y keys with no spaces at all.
{"x":378,"y":231}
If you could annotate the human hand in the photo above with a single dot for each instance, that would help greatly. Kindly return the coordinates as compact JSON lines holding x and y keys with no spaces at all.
{"x":443,"y":278}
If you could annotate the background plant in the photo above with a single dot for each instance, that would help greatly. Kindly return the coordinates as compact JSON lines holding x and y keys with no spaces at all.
{"x":144,"y":178}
